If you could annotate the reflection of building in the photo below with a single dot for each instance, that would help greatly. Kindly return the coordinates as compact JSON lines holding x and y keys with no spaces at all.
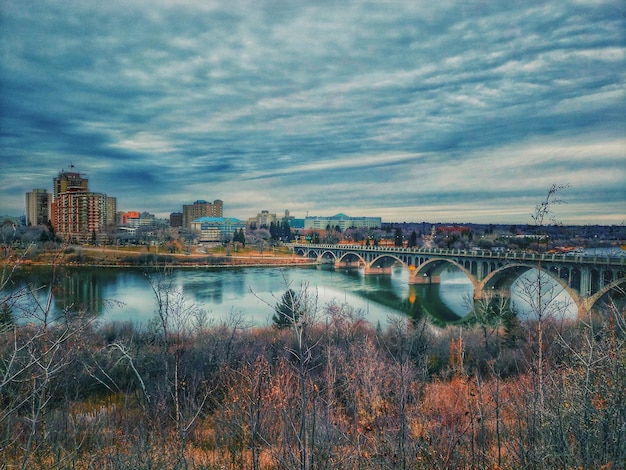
{"x":215,"y":229}
{"x":38,"y":204}
{"x":201,"y":208}
{"x":81,"y":292}
{"x":342,"y":221}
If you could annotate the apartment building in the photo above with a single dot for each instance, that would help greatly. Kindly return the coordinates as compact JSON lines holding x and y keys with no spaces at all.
{"x":38,"y":204}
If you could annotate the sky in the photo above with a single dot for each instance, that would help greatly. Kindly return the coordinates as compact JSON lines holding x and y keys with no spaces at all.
{"x":409,"y":110}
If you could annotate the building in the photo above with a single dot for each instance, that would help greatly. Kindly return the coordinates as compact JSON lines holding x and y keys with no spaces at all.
{"x":38,"y":203}
{"x":200,"y":209}
{"x":146,"y":219}
{"x":69,"y":181}
{"x":125,"y":217}
{"x":342,"y":221}
{"x":263,"y":219}
{"x":77,"y":214}
{"x":81,"y":216}
{"x":216,"y":229}
{"x":176,"y":219}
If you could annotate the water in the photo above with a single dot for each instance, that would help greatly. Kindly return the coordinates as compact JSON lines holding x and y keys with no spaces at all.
{"x":115,"y":294}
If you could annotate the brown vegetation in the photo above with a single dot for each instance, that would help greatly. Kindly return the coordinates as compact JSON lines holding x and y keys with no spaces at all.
{"x":328,"y":391}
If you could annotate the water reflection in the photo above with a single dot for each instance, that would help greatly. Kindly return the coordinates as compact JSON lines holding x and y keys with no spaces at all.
{"x":123,"y":294}
{"x":556,"y":303}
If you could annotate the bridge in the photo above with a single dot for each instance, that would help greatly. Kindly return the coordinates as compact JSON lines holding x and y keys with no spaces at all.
{"x":585,"y":278}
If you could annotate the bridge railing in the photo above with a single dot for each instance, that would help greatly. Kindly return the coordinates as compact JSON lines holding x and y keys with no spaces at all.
{"x":578,"y":258}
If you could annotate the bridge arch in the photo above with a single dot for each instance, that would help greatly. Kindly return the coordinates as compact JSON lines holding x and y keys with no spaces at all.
{"x":348,"y":256}
{"x":383,"y":257}
{"x":503,"y":278}
{"x":591,"y":301}
{"x":585,"y":278}
{"x":327,"y":254}
{"x":432,"y":269}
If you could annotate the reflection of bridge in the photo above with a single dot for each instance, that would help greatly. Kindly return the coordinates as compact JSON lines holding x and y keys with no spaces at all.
{"x":585,"y":278}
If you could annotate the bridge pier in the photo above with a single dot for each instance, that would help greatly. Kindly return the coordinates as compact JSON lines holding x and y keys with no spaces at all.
{"x":425,"y":279}
{"x":377,"y":270}
{"x":347,"y":264}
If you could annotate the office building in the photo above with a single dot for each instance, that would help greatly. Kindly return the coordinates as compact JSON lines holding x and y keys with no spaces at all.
{"x":216,"y":229}
{"x":126,"y":217}
{"x":176,"y":219}
{"x":200,"y":209}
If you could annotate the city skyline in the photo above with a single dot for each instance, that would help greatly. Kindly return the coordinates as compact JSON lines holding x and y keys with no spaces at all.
{"x":411,"y":111}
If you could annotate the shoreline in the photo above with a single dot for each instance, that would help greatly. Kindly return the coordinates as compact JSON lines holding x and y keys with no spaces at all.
{"x":174,"y":261}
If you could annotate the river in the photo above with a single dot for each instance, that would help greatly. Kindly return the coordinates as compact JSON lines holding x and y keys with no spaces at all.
{"x":122,"y":294}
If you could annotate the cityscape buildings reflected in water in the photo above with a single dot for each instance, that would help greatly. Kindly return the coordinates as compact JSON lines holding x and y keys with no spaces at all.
{"x":126,"y":295}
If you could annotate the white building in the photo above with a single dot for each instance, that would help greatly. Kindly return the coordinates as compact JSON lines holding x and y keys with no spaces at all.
{"x":215,"y":229}
{"x":342,"y":221}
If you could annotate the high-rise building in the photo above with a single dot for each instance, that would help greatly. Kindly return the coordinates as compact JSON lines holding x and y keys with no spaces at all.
{"x":38,"y":203}
{"x":111,"y":211}
{"x":201,"y":208}
{"x":69,"y":181}
{"x":81,"y":216}
{"x":78,"y":214}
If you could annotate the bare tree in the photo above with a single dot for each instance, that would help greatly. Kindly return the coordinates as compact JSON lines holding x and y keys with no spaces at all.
{"x":536,"y":291}
{"x":36,"y":351}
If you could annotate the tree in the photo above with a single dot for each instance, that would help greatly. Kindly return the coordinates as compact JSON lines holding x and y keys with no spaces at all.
{"x":413,"y":239}
{"x":398,"y":239}
{"x":240,"y":237}
{"x":288,"y":310}
{"x":542,"y":303}
{"x":37,"y":351}
{"x":286,"y":231}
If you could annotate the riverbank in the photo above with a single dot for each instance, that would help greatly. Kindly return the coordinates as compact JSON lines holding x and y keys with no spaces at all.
{"x":86,"y":256}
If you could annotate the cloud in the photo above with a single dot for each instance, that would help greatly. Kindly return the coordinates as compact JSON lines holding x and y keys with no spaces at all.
{"x":375,"y":108}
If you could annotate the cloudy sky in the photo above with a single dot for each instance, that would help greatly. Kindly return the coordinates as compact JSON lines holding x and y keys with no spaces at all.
{"x":411,"y":110}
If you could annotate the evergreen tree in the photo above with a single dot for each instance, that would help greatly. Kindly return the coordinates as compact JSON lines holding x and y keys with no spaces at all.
{"x":239,"y":236}
{"x":287,"y":311}
{"x":398,"y":237}
{"x":286,"y":230}
{"x":413,"y":240}
{"x":6,"y":316}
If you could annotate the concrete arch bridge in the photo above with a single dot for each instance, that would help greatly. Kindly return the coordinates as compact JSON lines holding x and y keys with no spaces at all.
{"x":586,"y":278}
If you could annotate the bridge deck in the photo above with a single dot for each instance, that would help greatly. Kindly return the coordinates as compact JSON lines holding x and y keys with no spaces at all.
{"x":526,"y":256}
